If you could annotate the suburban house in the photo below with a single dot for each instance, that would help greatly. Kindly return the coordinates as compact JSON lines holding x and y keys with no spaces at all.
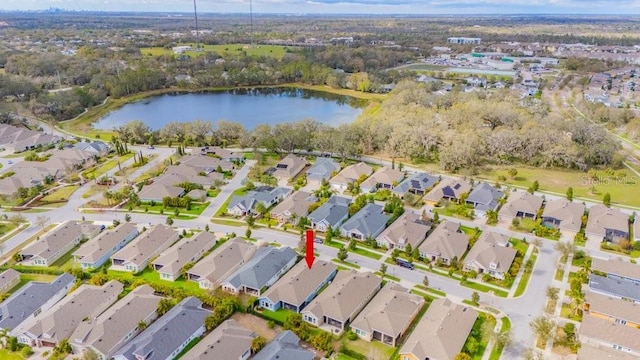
{"x":370,"y":221}
{"x":206,"y":164}
{"x":156,"y":192}
{"x":599,"y":332}
{"x":285,"y":346}
{"x":241,"y":205}
{"x":8,"y":279}
{"x":57,"y":242}
{"x":448,"y":189}
{"x":136,"y":255}
{"x":321,"y":170}
{"x":289,"y":167}
{"x":445,"y":243}
{"x":224,"y":154}
{"x":180,"y":174}
{"x":484,"y":197}
{"x":612,"y":309}
{"x":441,"y":333}
{"x":590,"y":352}
{"x":417,"y":183}
{"x":229,"y":340}
{"x":24,"y":177}
{"x":19,"y":138}
{"x":564,"y":215}
{"x":332,"y":213}
{"x":298,"y":287}
{"x":617,"y":269}
{"x":19,"y":311}
{"x":170,"y":263}
{"x":262,"y":271}
{"x":57,"y":323}
{"x":221,"y":263}
{"x":491,"y":254}
{"x":342,"y":300}
{"x":520,"y":205}
{"x":616,"y":288}
{"x":408,"y":229}
{"x":108,"y":332}
{"x":383,"y":178}
{"x":197,"y":195}
{"x":349,"y":175}
{"x":98,"y":148}
{"x":607,"y":224}
{"x":168,"y":335}
{"x":97,"y":251}
{"x":291,"y":209}
{"x":388,"y":315}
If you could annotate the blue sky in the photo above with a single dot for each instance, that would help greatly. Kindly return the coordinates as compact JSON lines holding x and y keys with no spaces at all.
{"x":344,"y":6}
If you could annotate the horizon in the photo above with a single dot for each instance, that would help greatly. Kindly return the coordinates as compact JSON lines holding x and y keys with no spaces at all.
{"x":338,"y":7}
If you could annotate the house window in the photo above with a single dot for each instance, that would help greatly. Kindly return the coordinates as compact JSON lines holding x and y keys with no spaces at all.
{"x":617,"y":347}
{"x":621,"y":321}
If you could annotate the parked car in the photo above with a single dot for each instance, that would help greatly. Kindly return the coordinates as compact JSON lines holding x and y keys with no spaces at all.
{"x":404,"y":263}
{"x":317,"y":241}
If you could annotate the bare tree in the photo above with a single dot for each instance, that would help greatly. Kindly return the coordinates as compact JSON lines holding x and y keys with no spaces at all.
{"x":543,"y":326}
{"x":42,"y":221}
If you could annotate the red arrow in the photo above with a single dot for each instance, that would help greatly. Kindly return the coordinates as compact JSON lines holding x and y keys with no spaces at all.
{"x":309,"y":256}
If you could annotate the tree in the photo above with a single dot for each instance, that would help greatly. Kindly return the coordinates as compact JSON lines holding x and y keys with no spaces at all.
{"x":543,"y":327}
{"x":164,"y":306}
{"x":425,"y":281}
{"x":257,"y":344}
{"x":537,"y":242}
{"x":577,"y":296}
{"x":17,"y":219}
{"x":248,"y":233}
{"x":565,"y":248}
{"x":553,"y":293}
{"x":250,"y":220}
{"x":513,"y":172}
{"x":42,"y":221}
{"x":606,"y":200}
{"x":570,"y":194}
{"x":395,"y":254}
{"x":475,"y":298}
{"x":127,"y":217}
{"x":342,"y":254}
{"x":328,"y":235}
{"x":535,"y":186}
{"x":142,"y":325}
{"x":383,"y":270}
{"x":169,"y":221}
{"x":436,"y":217}
{"x":89,"y":354}
{"x":261,"y":209}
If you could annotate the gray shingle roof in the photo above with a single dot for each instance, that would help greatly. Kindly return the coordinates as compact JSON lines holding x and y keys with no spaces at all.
{"x":623,"y":288}
{"x":417,"y":181}
{"x":264,"y":265}
{"x":370,"y":221}
{"x":284,"y":347}
{"x":168,"y":332}
{"x":264,"y":194}
{"x":230,"y":340}
{"x":322,"y":169}
{"x":485,"y":197}
{"x":332,"y":211}
{"x":21,"y":304}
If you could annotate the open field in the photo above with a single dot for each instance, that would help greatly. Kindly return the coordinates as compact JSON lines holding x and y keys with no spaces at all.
{"x":225,"y":50}
{"x":623,"y":190}
{"x":59,"y":195}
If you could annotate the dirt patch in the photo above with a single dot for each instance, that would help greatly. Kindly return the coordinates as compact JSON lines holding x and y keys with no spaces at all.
{"x":257,"y":325}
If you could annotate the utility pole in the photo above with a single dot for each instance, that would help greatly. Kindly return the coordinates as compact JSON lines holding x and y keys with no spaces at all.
{"x":195,"y":11}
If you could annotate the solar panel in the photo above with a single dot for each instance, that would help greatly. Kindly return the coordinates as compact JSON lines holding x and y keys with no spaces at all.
{"x":282,"y":166}
{"x":457,"y":186}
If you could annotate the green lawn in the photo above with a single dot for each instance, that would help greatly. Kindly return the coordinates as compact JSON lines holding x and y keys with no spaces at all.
{"x":559,"y":274}
{"x":522,"y":285}
{"x":278,"y":316}
{"x":6,"y":228}
{"x":388,"y":277}
{"x":559,"y":180}
{"x":196,"y":209}
{"x":484,"y":288}
{"x":374,"y":349}
{"x":566,"y":313}
{"x":59,"y":195}
{"x":26,"y":278}
{"x":431,"y":290}
{"x":106,"y":166}
{"x":7,"y":355}
{"x":519,"y":245}
{"x":65,"y":260}
{"x":496,"y":352}
{"x":345,"y":263}
{"x":226,"y":50}
{"x":229,"y":222}
{"x":223,"y":209}
{"x":363,"y":252}
{"x":153,"y":277}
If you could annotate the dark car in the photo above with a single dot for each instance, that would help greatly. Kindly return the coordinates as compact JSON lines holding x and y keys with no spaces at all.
{"x":404,"y":263}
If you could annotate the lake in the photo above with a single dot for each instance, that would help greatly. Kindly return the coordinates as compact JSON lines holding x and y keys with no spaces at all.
{"x":250,"y":107}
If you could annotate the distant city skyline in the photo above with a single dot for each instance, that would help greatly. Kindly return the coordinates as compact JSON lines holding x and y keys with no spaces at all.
{"x":470,"y":7}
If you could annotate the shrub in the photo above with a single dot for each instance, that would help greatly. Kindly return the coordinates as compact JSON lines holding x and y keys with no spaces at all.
{"x":352,"y":336}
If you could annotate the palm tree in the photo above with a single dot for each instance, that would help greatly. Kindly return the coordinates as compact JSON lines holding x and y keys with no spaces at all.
{"x":257,"y":344}
{"x":142,"y":325}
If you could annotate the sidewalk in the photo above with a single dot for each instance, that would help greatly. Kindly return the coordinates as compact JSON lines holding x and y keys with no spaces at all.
{"x":516,"y":282}
{"x":556,"y":313}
